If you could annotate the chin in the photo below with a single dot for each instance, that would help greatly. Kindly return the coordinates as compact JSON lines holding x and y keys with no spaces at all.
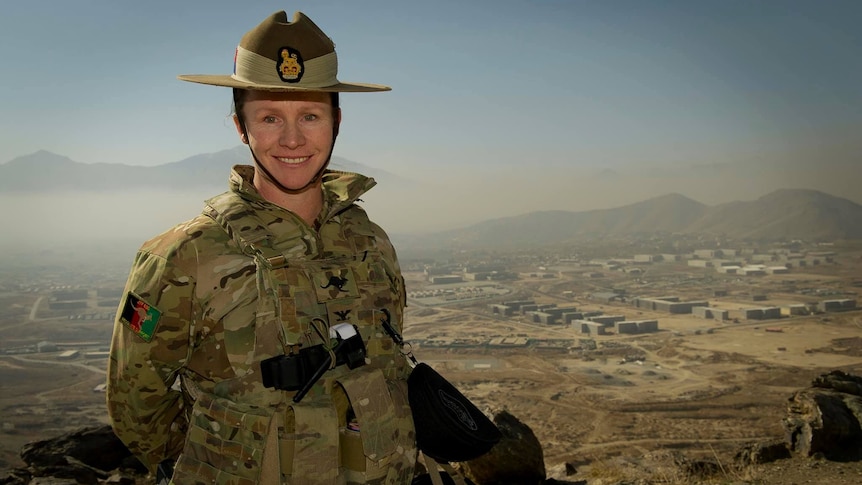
{"x":295,"y":184}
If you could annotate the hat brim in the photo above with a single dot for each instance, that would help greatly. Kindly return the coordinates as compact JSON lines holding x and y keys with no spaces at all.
{"x":230,"y":82}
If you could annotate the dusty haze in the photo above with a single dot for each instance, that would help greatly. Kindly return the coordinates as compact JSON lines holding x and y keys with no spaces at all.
{"x":432,"y":201}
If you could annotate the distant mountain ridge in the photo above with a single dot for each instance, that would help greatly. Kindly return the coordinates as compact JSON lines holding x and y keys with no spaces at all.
{"x":45,"y":171}
{"x":783,"y":214}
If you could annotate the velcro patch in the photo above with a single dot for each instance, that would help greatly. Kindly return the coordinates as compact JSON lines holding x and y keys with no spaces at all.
{"x":335,"y":284}
{"x":140,"y":317}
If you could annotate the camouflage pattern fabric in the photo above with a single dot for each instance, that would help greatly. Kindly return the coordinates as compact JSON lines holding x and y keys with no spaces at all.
{"x":245,"y":281}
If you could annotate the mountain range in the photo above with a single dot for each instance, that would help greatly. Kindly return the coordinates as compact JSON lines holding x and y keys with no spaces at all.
{"x":780,"y":214}
{"x":44,"y":171}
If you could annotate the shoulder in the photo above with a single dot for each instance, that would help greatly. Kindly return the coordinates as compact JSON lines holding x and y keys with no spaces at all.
{"x":356,"y":220}
{"x":193,"y":232}
{"x":187,"y":243}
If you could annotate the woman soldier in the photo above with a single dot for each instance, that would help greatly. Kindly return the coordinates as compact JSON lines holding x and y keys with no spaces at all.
{"x":249,"y":347}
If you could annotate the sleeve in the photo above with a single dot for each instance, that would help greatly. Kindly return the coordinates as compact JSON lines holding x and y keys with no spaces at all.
{"x":149,"y":347}
{"x":384,"y":244}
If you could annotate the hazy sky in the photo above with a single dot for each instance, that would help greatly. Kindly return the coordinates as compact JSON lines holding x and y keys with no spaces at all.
{"x":494,"y":90}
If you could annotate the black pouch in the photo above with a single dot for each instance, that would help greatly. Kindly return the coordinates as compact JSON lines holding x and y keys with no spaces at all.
{"x":291,"y":372}
{"x":448,"y":426}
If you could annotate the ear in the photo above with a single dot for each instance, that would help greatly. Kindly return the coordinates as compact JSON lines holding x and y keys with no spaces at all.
{"x":239,"y":130}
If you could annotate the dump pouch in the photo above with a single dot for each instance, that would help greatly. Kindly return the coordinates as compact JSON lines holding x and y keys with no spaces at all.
{"x":448,"y":426}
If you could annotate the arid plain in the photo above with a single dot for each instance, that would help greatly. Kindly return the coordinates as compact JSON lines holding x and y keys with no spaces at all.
{"x":601,"y":404}
{"x":701,"y":387}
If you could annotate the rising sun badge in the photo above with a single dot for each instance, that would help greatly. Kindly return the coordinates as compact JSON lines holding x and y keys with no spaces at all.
{"x":140,"y":316}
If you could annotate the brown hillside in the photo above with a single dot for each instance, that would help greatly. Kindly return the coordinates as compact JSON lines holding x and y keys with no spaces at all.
{"x":783,"y":214}
{"x":803,"y":214}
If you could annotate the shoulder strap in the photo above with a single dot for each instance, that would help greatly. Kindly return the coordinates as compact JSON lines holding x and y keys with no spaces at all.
{"x":241,"y":221}
{"x":257,"y":230}
{"x":235,"y":216}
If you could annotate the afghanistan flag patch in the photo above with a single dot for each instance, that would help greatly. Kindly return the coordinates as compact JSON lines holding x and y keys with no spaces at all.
{"x":140,"y":316}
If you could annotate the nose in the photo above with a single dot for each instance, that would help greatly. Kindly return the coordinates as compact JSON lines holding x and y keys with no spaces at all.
{"x":291,"y":135}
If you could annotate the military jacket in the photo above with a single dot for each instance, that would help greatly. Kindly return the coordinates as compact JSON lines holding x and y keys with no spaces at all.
{"x":210,"y":299}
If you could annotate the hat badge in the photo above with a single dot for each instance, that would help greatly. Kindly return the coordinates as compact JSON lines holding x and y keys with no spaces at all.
{"x":290,"y":66}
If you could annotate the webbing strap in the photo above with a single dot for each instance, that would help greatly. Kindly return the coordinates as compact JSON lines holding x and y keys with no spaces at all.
{"x":434,"y":471}
{"x":459,"y":480}
{"x":270,"y":471}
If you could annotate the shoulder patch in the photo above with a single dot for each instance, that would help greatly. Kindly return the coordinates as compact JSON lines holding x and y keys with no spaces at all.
{"x":140,"y":317}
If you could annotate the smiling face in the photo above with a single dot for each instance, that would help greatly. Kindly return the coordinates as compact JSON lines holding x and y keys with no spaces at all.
{"x":291,"y":134}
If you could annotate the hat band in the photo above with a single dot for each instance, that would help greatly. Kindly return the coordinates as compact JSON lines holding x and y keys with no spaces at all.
{"x":254,"y":68}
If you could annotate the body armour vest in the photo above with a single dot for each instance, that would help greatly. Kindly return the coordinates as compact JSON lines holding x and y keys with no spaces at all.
{"x":354,"y":426}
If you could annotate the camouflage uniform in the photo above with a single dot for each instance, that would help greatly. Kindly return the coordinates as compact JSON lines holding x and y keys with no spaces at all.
{"x":208,"y":300}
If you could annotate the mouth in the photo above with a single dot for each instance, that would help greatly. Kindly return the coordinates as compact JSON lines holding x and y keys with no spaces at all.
{"x":292,"y":161}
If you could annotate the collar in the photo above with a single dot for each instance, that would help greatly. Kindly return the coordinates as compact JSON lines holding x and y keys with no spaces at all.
{"x":340,"y":189}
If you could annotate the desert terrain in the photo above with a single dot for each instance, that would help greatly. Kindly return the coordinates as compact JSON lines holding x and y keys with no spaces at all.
{"x":605,"y":407}
{"x":698,"y":386}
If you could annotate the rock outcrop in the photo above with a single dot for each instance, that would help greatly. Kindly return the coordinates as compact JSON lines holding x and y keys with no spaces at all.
{"x":87,"y":455}
{"x":517,"y":459}
{"x":825,"y":418}
{"x":764,"y":452}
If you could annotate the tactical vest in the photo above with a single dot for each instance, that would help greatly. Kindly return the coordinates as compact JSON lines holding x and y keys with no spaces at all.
{"x":353,"y":426}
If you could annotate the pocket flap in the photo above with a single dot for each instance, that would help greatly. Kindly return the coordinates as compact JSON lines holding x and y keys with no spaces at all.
{"x":369,"y":397}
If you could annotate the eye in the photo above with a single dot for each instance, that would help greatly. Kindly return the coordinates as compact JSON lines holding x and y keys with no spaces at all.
{"x":269,"y":119}
{"x":309,"y":117}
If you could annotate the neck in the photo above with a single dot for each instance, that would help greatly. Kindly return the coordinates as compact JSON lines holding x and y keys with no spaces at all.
{"x":305,"y":203}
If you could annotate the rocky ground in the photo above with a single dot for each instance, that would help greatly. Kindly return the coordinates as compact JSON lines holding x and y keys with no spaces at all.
{"x":807,"y":471}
